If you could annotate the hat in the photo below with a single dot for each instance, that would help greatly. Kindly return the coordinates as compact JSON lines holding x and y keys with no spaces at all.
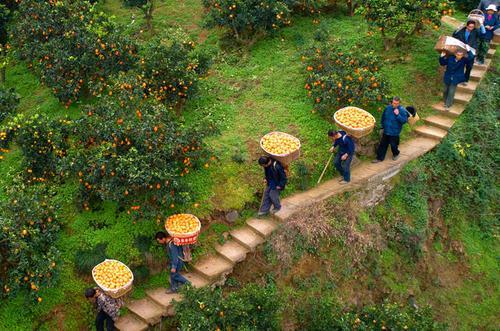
{"x":491,"y":7}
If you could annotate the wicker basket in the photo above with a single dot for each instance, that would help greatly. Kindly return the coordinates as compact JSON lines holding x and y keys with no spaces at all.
{"x":119,"y":292}
{"x":185,"y":238}
{"x":477,"y":16}
{"x":284,"y":159}
{"x":355,"y":132}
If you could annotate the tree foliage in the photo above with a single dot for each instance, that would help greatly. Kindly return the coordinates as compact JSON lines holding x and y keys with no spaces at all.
{"x":72,"y":47}
{"x":397,"y":19}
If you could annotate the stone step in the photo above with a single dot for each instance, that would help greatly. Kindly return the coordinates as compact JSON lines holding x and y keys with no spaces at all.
{"x":262,"y":227}
{"x":455,"y":110}
{"x":477,"y":75}
{"x":130,"y":323}
{"x":484,"y":66}
{"x":496,"y":37}
{"x":164,"y":300}
{"x":470,"y":88}
{"x":196,"y":279}
{"x":463,"y":98}
{"x":440,"y":121}
{"x":491,"y":53}
{"x":431,"y":132}
{"x":232,"y":251}
{"x":148,"y":311}
{"x":213,"y":267}
{"x":246,"y":237}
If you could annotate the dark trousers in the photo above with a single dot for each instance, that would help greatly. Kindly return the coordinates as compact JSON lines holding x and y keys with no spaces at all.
{"x":101,"y":318}
{"x":384,"y":143}
{"x":468,"y":66}
{"x":344,"y":167}
{"x":449,"y":94}
{"x":271,"y":198}
{"x":176,"y":279}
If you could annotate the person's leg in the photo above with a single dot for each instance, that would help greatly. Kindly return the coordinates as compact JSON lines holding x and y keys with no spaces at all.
{"x":394,"y":141}
{"x":178,"y":277}
{"x":338,"y":163}
{"x":99,"y":320}
{"x":469,"y":66}
{"x":347,"y":169}
{"x":110,"y":324}
{"x":275,"y":198}
{"x":451,"y":95}
{"x":266,"y":201}
{"x":173,"y":281}
{"x":382,"y":147}
{"x":445,"y":94}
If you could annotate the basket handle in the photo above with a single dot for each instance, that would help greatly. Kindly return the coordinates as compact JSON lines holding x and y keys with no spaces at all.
{"x":476,"y":11}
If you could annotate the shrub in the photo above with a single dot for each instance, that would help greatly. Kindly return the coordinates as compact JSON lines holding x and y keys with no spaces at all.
{"x":135,"y":3}
{"x":466,"y":4}
{"x":9,"y":100}
{"x":134,"y":153}
{"x":251,"y":308}
{"x":397,"y":19}
{"x":87,"y":259}
{"x":28,"y":256}
{"x":244,"y":18}
{"x":71,"y":46}
{"x":168,"y":71}
{"x":318,"y":314}
{"x":338,"y":79}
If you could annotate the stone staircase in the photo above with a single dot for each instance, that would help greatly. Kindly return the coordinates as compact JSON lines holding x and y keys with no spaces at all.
{"x":213,"y":270}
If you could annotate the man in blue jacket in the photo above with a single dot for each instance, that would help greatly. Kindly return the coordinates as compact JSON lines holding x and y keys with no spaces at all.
{"x":276,"y":179}
{"x":454,"y":75}
{"x":176,"y":255}
{"x":344,"y":155}
{"x":393,"y":119}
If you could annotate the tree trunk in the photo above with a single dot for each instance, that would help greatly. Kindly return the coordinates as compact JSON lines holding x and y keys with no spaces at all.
{"x":3,"y":69}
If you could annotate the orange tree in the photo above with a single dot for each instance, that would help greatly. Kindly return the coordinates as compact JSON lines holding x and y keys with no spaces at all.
{"x":135,"y":153}
{"x":72,"y":47}
{"x":168,"y":71}
{"x":9,"y":100}
{"x":29,"y":230}
{"x":397,"y":19}
{"x":336,"y":79}
{"x":243,"y":19}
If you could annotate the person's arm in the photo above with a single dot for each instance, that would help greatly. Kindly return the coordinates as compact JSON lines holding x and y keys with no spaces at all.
{"x":443,"y":60}
{"x":282,"y":175}
{"x":382,"y":120}
{"x":482,"y":29}
{"x":402,"y":117}
{"x":350,"y":146}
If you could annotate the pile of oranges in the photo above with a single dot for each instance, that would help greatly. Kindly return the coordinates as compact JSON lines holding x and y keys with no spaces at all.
{"x":354,"y":118}
{"x":182,"y":224}
{"x":112,"y":274}
{"x":278,"y":143}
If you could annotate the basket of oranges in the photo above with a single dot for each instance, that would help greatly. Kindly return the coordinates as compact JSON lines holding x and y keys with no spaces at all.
{"x":185,"y":228}
{"x":113,"y":277}
{"x":281,"y":146}
{"x":355,"y":121}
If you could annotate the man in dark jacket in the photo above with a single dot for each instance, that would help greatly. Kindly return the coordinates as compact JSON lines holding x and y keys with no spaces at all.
{"x":393,"y":119}
{"x":471,"y":36}
{"x":276,"y":180}
{"x":454,"y":75}
{"x":176,"y":256}
{"x":344,"y":155}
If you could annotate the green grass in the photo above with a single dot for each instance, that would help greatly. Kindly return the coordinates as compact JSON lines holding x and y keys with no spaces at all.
{"x":249,"y":92}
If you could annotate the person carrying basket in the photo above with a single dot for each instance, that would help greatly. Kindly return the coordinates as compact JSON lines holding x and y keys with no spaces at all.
{"x":344,"y":155}
{"x":276,"y":179}
{"x":176,"y":255}
{"x":491,"y":23}
{"x":108,"y":308}
{"x":469,"y":35}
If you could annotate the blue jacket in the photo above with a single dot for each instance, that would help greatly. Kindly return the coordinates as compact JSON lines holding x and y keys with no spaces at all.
{"x":391,"y":123}
{"x":345,"y":143}
{"x":176,"y":255}
{"x":275,"y":175}
{"x":455,"y":70}
{"x":494,"y":22}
